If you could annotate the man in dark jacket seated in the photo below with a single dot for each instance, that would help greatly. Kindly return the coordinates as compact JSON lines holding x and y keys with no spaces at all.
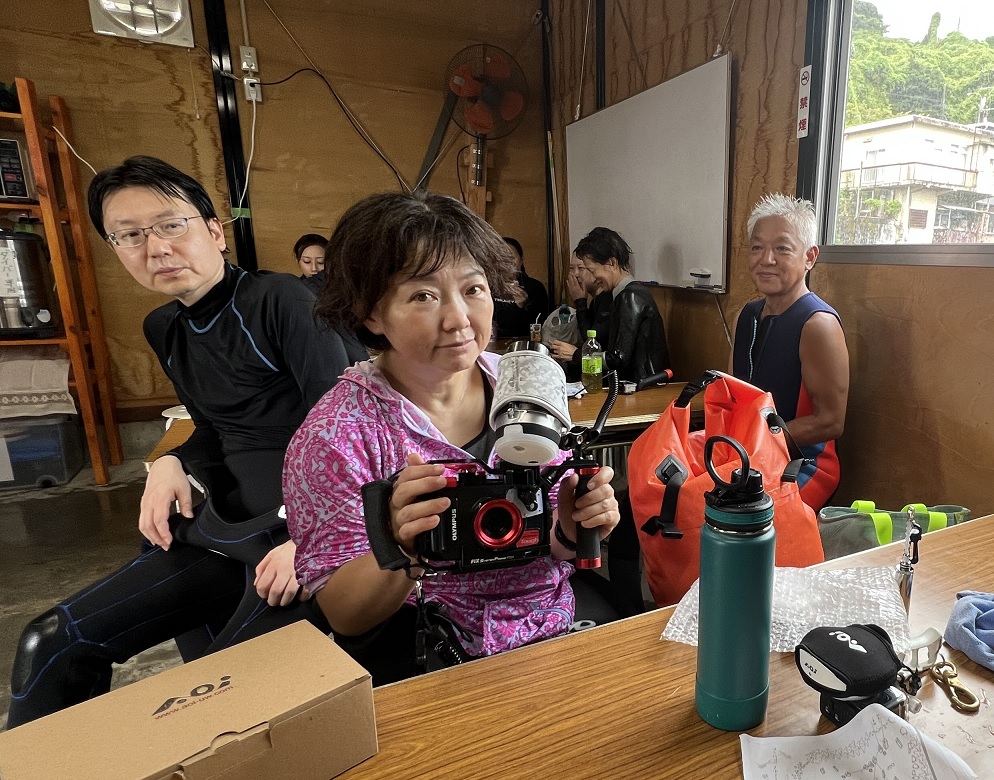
{"x":248,"y":361}
{"x":636,"y":345}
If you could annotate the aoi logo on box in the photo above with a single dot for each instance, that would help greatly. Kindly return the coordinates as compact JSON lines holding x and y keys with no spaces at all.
{"x":197,"y":693}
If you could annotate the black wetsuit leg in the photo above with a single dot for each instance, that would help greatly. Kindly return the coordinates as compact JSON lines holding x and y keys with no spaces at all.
{"x":65,"y":655}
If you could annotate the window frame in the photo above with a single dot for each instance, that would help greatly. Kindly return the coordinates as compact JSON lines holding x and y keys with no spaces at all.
{"x":819,"y":155}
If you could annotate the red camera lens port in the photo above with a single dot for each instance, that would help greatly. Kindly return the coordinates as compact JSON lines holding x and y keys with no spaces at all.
{"x":498,"y":524}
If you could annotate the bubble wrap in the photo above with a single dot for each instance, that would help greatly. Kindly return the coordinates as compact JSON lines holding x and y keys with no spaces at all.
{"x":807,"y":598}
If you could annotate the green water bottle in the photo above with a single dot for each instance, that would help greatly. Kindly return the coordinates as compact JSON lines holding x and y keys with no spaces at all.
{"x":736,"y":597}
{"x":592,"y":364}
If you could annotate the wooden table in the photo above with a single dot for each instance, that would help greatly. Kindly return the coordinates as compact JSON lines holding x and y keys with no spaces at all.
{"x":178,"y":432}
{"x":637,"y":410}
{"x":617,"y":702}
{"x":630,"y":413}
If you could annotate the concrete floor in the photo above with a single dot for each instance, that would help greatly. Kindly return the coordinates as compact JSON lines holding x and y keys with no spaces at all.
{"x":54,"y":541}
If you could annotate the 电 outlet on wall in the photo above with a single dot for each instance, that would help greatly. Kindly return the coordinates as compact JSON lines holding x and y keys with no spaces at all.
{"x":248,"y":58}
{"x":253,"y":89}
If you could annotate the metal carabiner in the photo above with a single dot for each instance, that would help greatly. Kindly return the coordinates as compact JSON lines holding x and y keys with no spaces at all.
{"x":962,"y":698}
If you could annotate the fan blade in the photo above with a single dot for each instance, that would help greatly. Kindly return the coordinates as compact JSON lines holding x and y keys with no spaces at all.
{"x":511,"y":105}
{"x":479,"y":117}
{"x":463,"y":83}
{"x":496,"y":66}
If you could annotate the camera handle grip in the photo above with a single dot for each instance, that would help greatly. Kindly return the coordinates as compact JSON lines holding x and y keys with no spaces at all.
{"x":588,"y":540}
{"x":376,"y":512}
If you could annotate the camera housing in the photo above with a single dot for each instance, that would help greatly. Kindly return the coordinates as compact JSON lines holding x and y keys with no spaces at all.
{"x":493,"y":520}
{"x":841,"y":711}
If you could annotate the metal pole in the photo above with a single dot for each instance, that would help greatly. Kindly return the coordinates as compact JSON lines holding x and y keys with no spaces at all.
{"x":600,"y":34}
{"x":231,"y":133}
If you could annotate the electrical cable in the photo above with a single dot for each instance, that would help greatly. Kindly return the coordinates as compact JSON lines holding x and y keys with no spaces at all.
{"x":241,"y":5}
{"x":536,"y":20}
{"x":438,"y":157}
{"x":78,"y":157}
{"x":193,"y":86}
{"x":719,"y":49}
{"x":217,"y":65}
{"x":287,"y":78}
{"x":352,"y":119}
{"x":631,"y":40}
{"x":724,"y":323}
{"x":462,"y":191}
{"x":248,"y":168}
{"x":583,"y":60}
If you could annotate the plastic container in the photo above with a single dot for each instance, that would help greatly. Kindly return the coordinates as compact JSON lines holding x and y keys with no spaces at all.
{"x":39,"y":451}
{"x":592,"y":364}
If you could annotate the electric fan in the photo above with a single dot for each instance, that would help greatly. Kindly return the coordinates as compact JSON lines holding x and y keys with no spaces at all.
{"x":151,"y":21}
{"x":490,"y":93}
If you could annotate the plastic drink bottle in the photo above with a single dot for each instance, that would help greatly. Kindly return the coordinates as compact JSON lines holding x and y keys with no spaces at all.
{"x":592,"y":364}
{"x":736,"y":597}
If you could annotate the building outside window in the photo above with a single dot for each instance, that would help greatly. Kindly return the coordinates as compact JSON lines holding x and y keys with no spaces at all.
{"x":905,"y":150}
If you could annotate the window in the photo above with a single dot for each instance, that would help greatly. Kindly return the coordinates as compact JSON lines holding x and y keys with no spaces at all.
{"x":901,"y":152}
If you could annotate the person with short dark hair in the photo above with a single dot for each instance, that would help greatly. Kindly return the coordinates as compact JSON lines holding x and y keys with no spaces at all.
{"x":791,"y":343}
{"x":309,"y":253}
{"x":593,"y":312}
{"x":412,"y":275}
{"x":636,"y":344}
{"x":525,"y":301}
{"x":246,"y":358}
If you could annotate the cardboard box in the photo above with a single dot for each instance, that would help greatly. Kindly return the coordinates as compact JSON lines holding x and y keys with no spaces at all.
{"x":290,"y":704}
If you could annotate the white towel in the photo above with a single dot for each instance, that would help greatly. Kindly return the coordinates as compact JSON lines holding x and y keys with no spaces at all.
{"x":34,"y":381}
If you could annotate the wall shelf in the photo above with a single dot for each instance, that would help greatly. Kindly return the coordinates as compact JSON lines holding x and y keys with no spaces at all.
{"x":62,"y":211}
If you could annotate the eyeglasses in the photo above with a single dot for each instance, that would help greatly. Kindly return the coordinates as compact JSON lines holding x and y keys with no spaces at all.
{"x":174,"y":227}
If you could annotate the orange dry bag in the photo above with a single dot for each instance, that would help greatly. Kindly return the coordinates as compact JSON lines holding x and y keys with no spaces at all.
{"x":667,"y":480}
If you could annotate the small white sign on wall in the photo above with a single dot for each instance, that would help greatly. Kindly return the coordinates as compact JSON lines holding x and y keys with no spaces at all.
{"x":803,"y":101}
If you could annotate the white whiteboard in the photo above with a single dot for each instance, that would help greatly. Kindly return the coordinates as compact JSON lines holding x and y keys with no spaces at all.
{"x":655,"y":168}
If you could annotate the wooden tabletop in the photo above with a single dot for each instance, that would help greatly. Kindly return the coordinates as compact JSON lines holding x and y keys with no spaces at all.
{"x":630,"y":411}
{"x":178,"y":432}
{"x":618,"y":702}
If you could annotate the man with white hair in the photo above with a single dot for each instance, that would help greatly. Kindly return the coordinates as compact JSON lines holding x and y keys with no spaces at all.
{"x":790,"y":342}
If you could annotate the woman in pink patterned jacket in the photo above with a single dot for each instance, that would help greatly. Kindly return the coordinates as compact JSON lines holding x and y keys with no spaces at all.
{"x":412,"y":275}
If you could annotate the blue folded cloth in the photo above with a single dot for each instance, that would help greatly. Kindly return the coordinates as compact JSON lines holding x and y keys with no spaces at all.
{"x":970,"y":628}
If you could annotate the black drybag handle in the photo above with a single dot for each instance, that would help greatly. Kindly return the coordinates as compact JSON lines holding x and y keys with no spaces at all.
{"x":672,"y":473}
{"x":695,"y":386}
{"x":797,"y":459}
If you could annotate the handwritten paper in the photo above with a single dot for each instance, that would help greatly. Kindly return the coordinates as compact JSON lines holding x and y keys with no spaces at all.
{"x":876,"y":744}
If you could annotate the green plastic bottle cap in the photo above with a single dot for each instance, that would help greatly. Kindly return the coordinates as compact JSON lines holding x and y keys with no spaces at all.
{"x":591,"y":334}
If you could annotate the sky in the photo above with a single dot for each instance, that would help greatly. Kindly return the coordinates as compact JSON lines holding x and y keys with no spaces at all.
{"x":910,"y":18}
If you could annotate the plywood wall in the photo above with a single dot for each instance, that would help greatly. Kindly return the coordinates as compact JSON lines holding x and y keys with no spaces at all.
{"x":920,"y":425}
{"x":766,"y":41}
{"x":125,"y":98}
{"x":386,"y":59}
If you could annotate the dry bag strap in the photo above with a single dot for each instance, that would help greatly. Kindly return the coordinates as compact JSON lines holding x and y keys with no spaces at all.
{"x":693,"y":387}
{"x":672,"y":473}
{"x":797,"y":459}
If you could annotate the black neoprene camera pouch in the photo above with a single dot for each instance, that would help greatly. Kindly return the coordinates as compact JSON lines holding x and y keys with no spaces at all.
{"x":854,"y":661}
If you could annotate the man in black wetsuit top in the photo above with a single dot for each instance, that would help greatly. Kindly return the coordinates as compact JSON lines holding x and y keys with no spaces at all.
{"x":248,"y":360}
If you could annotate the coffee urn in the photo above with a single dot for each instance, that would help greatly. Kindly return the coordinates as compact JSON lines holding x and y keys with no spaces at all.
{"x":27,"y":300}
